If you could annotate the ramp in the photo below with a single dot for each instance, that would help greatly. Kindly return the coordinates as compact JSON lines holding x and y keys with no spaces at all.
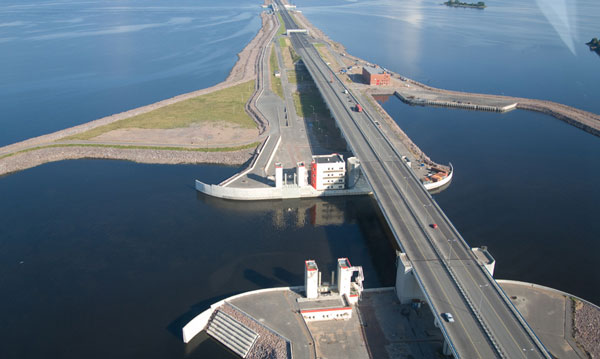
{"x":231,"y":333}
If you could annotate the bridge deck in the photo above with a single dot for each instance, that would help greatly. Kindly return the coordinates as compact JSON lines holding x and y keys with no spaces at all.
{"x":486,"y":323}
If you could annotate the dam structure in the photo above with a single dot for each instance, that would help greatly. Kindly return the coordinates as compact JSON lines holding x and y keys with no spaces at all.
{"x":485,"y":323}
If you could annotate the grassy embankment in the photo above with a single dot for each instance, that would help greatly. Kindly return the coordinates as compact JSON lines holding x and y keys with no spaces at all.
{"x":326,"y":55}
{"x":226,"y":106}
{"x":310,"y":105}
{"x":290,"y":59}
{"x":281,"y":25}
{"x":307,"y":100}
{"x":275,"y":81}
{"x":324,"y":52}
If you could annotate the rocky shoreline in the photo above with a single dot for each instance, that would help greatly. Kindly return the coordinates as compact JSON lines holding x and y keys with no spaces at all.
{"x":585,"y":120}
{"x":244,"y":70}
{"x":38,"y":157}
{"x":586,"y":327}
{"x":268,"y":345}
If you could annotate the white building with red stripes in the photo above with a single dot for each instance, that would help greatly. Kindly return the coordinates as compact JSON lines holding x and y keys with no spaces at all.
{"x":328,"y":172}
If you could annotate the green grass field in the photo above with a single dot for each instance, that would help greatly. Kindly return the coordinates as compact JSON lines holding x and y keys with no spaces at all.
{"x":275,"y":81}
{"x":225,"y":105}
{"x":281,"y":25}
{"x":307,"y":100}
{"x":282,"y":43}
{"x":294,"y":55}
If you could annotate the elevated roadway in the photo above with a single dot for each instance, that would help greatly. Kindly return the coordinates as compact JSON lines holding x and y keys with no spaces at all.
{"x":486,"y":325}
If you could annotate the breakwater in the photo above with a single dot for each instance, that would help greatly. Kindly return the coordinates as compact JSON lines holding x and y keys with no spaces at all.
{"x":419,"y":93}
{"x":462,"y":105}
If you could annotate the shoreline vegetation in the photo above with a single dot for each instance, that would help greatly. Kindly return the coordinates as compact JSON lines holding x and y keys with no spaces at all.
{"x":594,"y":45}
{"x":455,"y":3}
{"x":225,"y":105}
{"x":230,"y":137}
{"x":82,"y":141}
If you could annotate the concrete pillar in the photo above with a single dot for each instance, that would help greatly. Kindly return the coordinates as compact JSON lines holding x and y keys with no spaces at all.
{"x":407,"y":287}
{"x":278,"y":175}
{"x":311,"y":279}
{"x":344,"y":276}
{"x":446,"y":349}
{"x":485,"y":259}
{"x":352,"y":171}
{"x":301,"y":174}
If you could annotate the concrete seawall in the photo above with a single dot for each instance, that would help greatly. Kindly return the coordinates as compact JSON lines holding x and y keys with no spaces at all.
{"x":196,"y":325}
{"x":272,"y":193}
{"x":468,"y":106}
{"x":414,"y":92}
{"x":564,"y":115}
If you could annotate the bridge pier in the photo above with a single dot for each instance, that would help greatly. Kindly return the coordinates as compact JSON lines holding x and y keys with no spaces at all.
{"x":407,"y":288}
{"x":446,"y":349}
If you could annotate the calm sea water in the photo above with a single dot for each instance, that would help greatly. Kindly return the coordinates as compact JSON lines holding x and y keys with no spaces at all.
{"x":524,"y":183}
{"x":64,"y":63}
{"x":110,"y":259}
{"x":509,"y":48}
{"x":524,"y":186}
{"x":106,"y":259}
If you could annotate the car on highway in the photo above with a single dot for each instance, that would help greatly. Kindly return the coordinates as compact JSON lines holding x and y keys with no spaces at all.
{"x":448,"y":317}
{"x":434,"y":225}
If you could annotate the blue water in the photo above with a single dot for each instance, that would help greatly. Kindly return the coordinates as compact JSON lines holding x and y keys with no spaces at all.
{"x":109,"y":259}
{"x":524,"y":187}
{"x":508,"y":48}
{"x":524,"y":183}
{"x":64,"y":63}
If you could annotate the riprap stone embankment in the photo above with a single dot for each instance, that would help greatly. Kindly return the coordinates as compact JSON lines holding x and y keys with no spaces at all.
{"x":25,"y":154}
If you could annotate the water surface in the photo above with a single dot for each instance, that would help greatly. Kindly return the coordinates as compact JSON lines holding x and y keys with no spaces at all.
{"x":523,"y":187}
{"x":109,"y":259}
{"x":105,"y":259}
{"x":65,"y":63}
{"x":509,"y":48}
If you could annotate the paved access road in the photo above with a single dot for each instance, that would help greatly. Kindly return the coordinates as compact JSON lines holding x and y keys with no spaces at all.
{"x":486,"y":323}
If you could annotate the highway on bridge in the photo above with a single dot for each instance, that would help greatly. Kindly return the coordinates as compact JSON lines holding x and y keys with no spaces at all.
{"x":487,"y":325}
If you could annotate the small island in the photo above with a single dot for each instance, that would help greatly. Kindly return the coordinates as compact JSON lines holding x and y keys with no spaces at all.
{"x":456,"y":3}
{"x":594,"y":45}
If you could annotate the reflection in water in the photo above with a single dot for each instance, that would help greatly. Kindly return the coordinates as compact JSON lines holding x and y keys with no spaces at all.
{"x":559,"y":13}
{"x":344,"y":219}
{"x":289,"y":213}
{"x":381,"y":98}
{"x":142,"y":252}
{"x":411,"y":49}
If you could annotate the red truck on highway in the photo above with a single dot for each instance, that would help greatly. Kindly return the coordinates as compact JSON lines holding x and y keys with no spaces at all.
{"x":358,"y":108}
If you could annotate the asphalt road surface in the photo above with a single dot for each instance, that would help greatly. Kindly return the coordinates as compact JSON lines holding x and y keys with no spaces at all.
{"x":486,"y":324}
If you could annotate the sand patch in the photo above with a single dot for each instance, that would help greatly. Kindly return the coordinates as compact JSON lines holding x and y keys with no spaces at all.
{"x":204,"y":134}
